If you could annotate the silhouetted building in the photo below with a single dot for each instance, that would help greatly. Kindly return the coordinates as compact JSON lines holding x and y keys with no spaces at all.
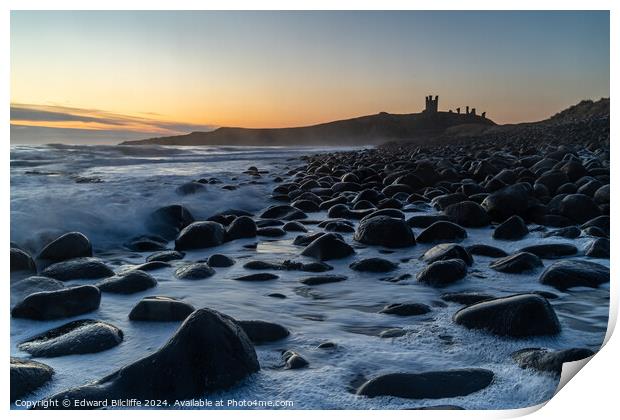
{"x":431,"y":104}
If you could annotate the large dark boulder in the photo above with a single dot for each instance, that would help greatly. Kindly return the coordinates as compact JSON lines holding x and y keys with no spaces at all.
{"x":517,"y":263}
{"x":317,"y":280}
{"x":384,"y":231}
{"x":160,"y":309}
{"x":447,"y":252}
{"x":428,"y":385}
{"x":76,"y":337}
{"x":468,"y":214}
{"x":512,"y":229}
{"x":579,"y":208}
{"x":442,"y":231}
{"x":486,"y":250}
{"x":425,"y":220}
{"x":191,"y":187}
{"x":132,"y":281}
{"x":22,"y":261}
{"x":209,"y":352}
{"x":195,"y":271}
{"x":575,"y":273}
{"x":33,"y":284}
{"x":328,"y":247}
{"x":283,"y":212}
{"x":78,"y":268}
{"x":241,"y":227}
{"x":598,"y":248}
{"x":263,"y":331}
{"x":166,"y":256}
{"x":508,"y":201}
{"x":70,"y":245}
{"x":544,"y":360}
{"x":405,"y":309}
{"x":550,"y":251}
{"x":443,"y":272}
{"x":523,"y":315}
{"x":168,"y":221}
{"x":56,"y":304}
{"x":200,"y":235}
{"x":220,"y":261}
{"x":27,"y":376}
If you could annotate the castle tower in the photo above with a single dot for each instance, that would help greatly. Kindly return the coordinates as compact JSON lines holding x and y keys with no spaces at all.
{"x":431,"y":104}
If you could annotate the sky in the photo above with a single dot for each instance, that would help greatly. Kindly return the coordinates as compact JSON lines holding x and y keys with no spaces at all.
{"x":119,"y":75}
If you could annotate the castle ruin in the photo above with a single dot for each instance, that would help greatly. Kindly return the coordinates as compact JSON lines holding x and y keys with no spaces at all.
{"x":432,"y":107}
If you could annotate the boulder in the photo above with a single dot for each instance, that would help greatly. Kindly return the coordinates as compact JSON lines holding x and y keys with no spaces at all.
{"x":512,"y":229}
{"x":27,"y":376}
{"x":468,"y":214}
{"x":283,"y":212}
{"x":294,"y":227}
{"x":219,"y":260}
{"x":195,"y":271}
{"x":263,"y":331}
{"x":191,"y":187}
{"x":293,"y":360}
{"x":316,"y":280}
{"x":200,"y":235}
{"x":22,"y":261}
{"x":127,"y":283}
{"x":168,"y":221}
{"x":544,"y":360}
{"x":68,"y":246}
{"x":517,"y":263}
{"x":486,"y":250}
{"x":257,"y":277}
{"x":579,"y":208}
{"x":272,"y":232}
{"x":165,"y":256}
{"x":160,"y":309}
{"x":443,"y":252}
{"x":508,"y":201}
{"x":384,"y":231}
{"x":425,"y":220}
{"x":405,"y":309}
{"x":442,"y":231}
{"x":57,"y":304}
{"x":524,"y":315}
{"x":209,"y":352}
{"x":241,"y":227}
{"x":442,"y":273}
{"x":466,"y":298}
{"x":428,"y":385}
{"x":76,"y":337}
{"x":328,"y":247}
{"x":575,"y":273}
{"x":78,"y":268}
{"x":598,"y":248}
{"x":373,"y":265}
{"x":33,"y":284}
{"x":550,"y":251}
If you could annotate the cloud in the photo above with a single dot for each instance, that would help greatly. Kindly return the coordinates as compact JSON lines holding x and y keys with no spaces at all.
{"x":83,"y":119}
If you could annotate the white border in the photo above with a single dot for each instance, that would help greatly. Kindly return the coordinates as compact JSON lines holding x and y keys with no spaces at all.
{"x":592,"y":395}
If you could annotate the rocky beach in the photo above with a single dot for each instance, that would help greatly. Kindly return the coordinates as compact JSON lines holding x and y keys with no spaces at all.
{"x":457,"y":273}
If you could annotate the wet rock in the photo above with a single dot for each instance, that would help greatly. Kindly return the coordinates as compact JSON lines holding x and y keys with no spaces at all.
{"x":443,"y":252}
{"x":544,"y":360}
{"x":272,"y":232}
{"x":575,"y":273}
{"x":126,"y":283}
{"x":508,"y":201}
{"x":468,"y":214}
{"x":392,"y":333}
{"x":550,"y":251}
{"x":340,"y":227}
{"x":570,"y":232}
{"x":146,"y":243}
{"x":524,"y":315}
{"x":406,"y":309}
{"x":442,"y":231}
{"x":384,"y":231}
{"x":442,"y":202}
{"x":160,"y":309}
{"x":465,"y":298}
{"x":166,"y":256}
{"x":190,"y":188}
{"x":200,"y":235}
{"x":294,"y":227}
{"x":316,"y":280}
{"x":77,"y":337}
{"x":151,"y":266}
{"x":579,"y":207}
{"x":304,"y":240}
{"x":27,"y":376}
{"x":209,"y":352}
{"x":241,"y":227}
{"x":428,"y":385}
{"x":601,"y":195}
{"x":486,"y":250}
{"x":22,"y":288}
{"x":263,"y":332}
{"x":442,"y":273}
{"x":512,"y":229}
{"x":258,"y":277}
{"x":517,"y":263}
{"x":219,"y":260}
{"x":326,"y":345}
{"x":328,"y":247}
{"x":601,"y":222}
{"x":283,"y":212}
{"x":195,"y":271}
{"x":373,"y":265}
{"x":598,"y":248}
{"x":68,"y":246}
{"x":78,"y":268}
{"x":293,"y":360}
{"x":306,"y":206}
{"x":22,"y":261}
{"x":57,"y":304}
{"x":424,"y":221}
{"x":168,"y":221}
